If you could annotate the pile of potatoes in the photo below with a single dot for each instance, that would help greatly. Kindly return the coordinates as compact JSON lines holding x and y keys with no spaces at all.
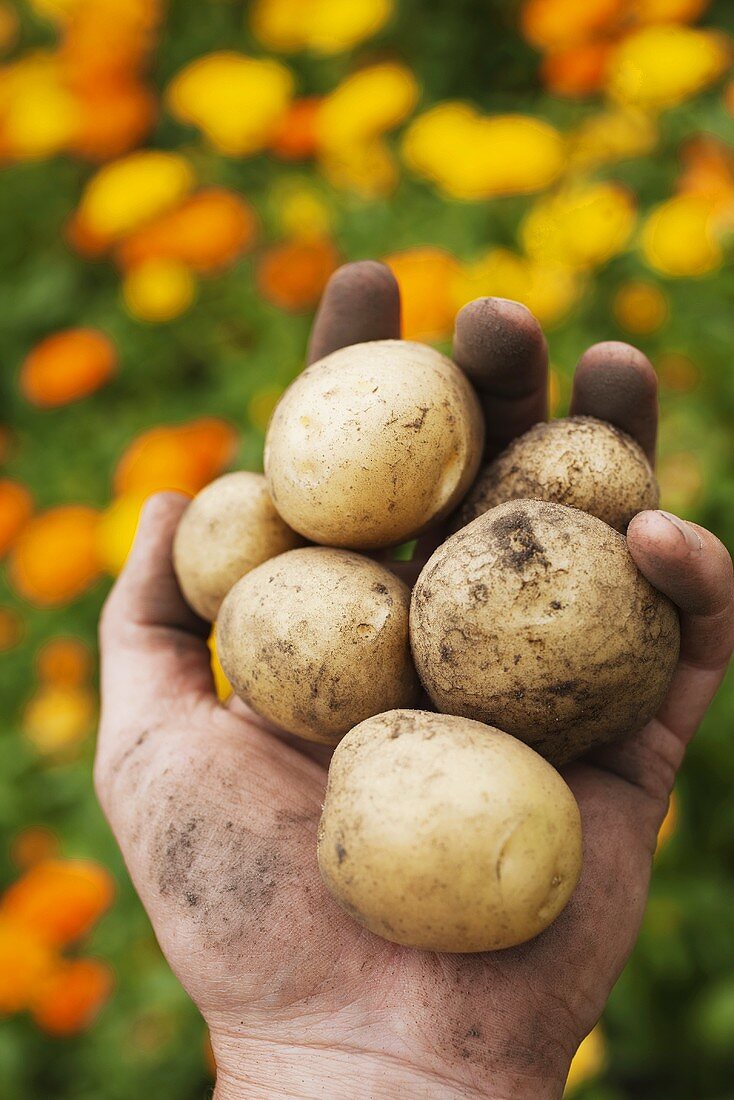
{"x":529,"y":638}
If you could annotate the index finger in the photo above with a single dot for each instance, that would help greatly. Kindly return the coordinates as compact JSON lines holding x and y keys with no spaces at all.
{"x":501,"y":348}
{"x":361,"y":303}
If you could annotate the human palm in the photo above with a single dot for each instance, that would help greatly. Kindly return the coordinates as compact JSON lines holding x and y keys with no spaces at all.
{"x":216,"y":812}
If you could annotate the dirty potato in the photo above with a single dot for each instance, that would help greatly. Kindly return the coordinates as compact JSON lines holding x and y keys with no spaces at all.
{"x":441,"y":833}
{"x":228,"y":528}
{"x":373,"y":444}
{"x":316,"y":641}
{"x":579,"y":461}
{"x":536,"y":619}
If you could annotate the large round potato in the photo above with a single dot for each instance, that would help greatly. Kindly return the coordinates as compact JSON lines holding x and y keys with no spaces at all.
{"x":536,"y":619}
{"x":578,"y":461}
{"x":228,"y":528}
{"x":373,"y":444}
{"x":316,"y":640}
{"x":444,"y":834}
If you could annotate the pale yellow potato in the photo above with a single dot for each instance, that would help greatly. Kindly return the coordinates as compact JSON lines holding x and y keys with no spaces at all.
{"x":441,"y":833}
{"x":536,"y":619}
{"x":228,"y":528}
{"x":579,"y":461}
{"x":316,"y":641}
{"x":373,"y":444}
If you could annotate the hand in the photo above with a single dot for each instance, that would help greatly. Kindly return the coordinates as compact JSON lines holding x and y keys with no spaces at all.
{"x":216,"y":813}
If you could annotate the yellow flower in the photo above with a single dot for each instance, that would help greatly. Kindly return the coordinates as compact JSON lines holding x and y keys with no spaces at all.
{"x":261,"y":404}
{"x":581,"y":226}
{"x":238,"y":102}
{"x":670,"y":822}
{"x":301,"y":212}
{"x":612,"y":135}
{"x":158,"y":290}
{"x":38,"y":115}
{"x":548,"y":291}
{"x":471,"y":156}
{"x":57,"y":717}
{"x":679,"y":239}
{"x":324,"y":26}
{"x":350,"y":123}
{"x":681,"y":478}
{"x":588,"y":1061}
{"x":366,"y":168}
{"x":132,"y":191}
{"x":641,"y":308}
{"x":116,"y":530}
{"x":660,"y":66}
{"x":222,"y":685}
{"x":366,"y":104}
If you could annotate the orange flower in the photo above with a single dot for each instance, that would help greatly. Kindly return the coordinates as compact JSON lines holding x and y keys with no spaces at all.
{"x":11,"y":628}
{"x":25,"y":960}
{"x":72,"y":995}
{"x":426,"y":277}
{"x":112,"y":119}
{"x":293,"y":275}
{"x":33,"y":845}
{"x":59,"y":900}
{"x":214,"y":443}
{"x":208,"y":231}
{"x":158,"y":460}
{"x":67,"y":366}
{"x":9,"y":26}
{"x":55,"y":558}
{"x":641,"y":307}
{"x":578,"y":70}
{"x":297,"y":138}
{"x":16,"y":508}
{"x":65,"y":662}
{"x":708,"y":172}
{"x":103,"y":43}
{"x":183,"y":458}
{"x":556,"y":24}
{"x":678,"y":372}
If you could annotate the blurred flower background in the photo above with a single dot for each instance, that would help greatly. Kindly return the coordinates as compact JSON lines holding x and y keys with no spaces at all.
{"x":178,"y":181}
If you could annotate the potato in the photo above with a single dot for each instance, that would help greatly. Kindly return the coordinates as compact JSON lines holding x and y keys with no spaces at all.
{"x":316,"y":640}
{"x":536,"y":619}
{"x":441,"y":833}
{"x":373,"y":444}
{"x":582,"y":462}
{"x":228,"y":528}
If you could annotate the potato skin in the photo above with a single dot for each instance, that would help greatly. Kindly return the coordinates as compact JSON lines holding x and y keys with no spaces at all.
{"x":316,"y":641}
{"x":443,"y":834}
{"x":535,"y":618}
{"x":579,"y":461}
{"x":373,"y":444}
{"x":228,"y":528}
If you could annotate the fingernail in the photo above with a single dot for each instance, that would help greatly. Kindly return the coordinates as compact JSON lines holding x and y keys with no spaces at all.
{"x":692,"y":538}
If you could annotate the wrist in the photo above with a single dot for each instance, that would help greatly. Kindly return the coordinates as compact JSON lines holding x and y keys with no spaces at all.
{"x":266,"y":1070}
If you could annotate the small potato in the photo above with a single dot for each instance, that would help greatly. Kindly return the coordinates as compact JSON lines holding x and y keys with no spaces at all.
{"x":316,"y":640}
{"x":578,"y":461}
{"x":535,"y":618}
{"x":373,"y":444}
{"x":228,"y":528}
{"x":441,"y":833}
